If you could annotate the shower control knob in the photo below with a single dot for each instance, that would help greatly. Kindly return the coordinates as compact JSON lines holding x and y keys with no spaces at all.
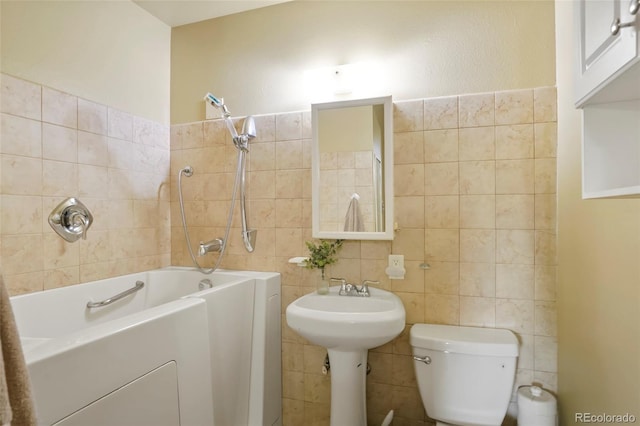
{"x":56,"y":218}
{"x":71,"y":219}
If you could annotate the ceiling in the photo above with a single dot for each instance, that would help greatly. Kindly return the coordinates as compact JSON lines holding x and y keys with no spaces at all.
{"x":180,"y":12}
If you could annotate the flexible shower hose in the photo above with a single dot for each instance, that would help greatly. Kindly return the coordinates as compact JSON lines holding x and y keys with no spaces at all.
{"x":239,"y":170}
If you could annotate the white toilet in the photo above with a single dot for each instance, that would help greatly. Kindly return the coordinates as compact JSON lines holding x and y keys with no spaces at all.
{"x":465,"y":374}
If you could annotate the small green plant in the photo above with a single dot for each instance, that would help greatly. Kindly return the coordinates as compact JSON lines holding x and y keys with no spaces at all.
{"x":322,"y":254}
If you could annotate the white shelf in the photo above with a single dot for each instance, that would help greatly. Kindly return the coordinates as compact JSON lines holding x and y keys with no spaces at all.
{"x":625,"y":192}
{"x":611,"y":150}
{"x":607,"y":88}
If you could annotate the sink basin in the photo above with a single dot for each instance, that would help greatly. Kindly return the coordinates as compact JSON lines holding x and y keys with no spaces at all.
{"x":347,"y":322}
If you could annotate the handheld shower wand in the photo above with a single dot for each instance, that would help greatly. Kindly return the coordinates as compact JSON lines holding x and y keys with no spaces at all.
{"x":241,"y":141}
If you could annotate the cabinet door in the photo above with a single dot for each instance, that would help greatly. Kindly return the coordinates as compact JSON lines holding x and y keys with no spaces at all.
{"x":601,"y":53}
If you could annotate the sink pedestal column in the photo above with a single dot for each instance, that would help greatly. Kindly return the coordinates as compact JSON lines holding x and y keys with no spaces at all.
{"x":348,"y":387}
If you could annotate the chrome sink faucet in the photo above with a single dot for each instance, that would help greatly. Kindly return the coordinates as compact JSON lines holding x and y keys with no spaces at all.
{"x":349,"y":289}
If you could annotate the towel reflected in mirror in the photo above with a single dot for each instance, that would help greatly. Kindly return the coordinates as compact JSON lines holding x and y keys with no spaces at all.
{"x":353,"y":219}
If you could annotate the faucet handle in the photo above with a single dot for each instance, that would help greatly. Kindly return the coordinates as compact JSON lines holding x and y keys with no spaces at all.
{"x":80,"y":221}
{"x":364,"y":290}
{"x":343,"y":285}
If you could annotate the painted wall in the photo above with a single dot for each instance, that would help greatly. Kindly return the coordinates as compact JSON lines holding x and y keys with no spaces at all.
{"x":110,"y":52}
{"x":346,"y":129}
{"x":598,"y":272}
{"x":257,"y":60}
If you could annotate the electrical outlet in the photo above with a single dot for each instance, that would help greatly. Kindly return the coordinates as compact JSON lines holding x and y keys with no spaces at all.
{"x":396,"y":260}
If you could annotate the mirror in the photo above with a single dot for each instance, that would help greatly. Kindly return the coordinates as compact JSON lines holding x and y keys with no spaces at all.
{"x":352,"y":169}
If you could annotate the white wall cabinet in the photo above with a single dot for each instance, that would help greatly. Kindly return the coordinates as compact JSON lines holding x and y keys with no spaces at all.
{"x":607,"y":88}
{"x":603,"y":55}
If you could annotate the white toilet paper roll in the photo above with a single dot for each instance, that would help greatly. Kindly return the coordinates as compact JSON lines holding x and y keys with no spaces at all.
{"x":536,"y":407}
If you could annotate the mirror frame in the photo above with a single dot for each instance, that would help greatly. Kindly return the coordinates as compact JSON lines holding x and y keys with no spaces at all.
{"x":387,"y":171}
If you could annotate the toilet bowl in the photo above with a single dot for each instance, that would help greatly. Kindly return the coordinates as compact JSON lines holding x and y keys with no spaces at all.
{"x":465,"y":374}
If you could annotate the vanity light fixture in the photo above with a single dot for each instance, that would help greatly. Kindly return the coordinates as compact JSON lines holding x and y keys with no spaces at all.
{"x":334,"y":80}
{"x":343,"y":78}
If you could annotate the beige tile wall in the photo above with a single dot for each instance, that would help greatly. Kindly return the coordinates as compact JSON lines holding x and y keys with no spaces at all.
{"x":54,"y":145}
{"x":343,"y":174}
{"x":475,"y":198}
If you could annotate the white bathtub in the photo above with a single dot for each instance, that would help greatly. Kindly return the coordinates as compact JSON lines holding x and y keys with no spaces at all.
{"x":167,"y":354}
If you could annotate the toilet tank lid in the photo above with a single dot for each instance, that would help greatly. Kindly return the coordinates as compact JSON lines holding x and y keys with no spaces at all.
{"x":464,"y":340}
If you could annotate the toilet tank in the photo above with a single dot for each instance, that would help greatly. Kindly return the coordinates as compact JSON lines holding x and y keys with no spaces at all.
{"x":469,"y":373}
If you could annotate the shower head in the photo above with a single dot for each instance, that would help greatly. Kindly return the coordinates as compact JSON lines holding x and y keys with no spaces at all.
{"x":218,"y":103}
{"x":241,"y":141}
{"x":249,"y":127}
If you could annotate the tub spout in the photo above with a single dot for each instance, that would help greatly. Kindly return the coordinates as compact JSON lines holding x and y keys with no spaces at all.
{"x":213,"y":245}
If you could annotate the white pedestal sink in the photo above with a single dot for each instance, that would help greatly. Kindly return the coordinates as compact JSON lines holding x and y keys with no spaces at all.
{"x":348,"y":326}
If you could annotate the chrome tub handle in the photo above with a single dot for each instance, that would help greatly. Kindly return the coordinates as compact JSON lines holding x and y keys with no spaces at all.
{"x":105,"y":302}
